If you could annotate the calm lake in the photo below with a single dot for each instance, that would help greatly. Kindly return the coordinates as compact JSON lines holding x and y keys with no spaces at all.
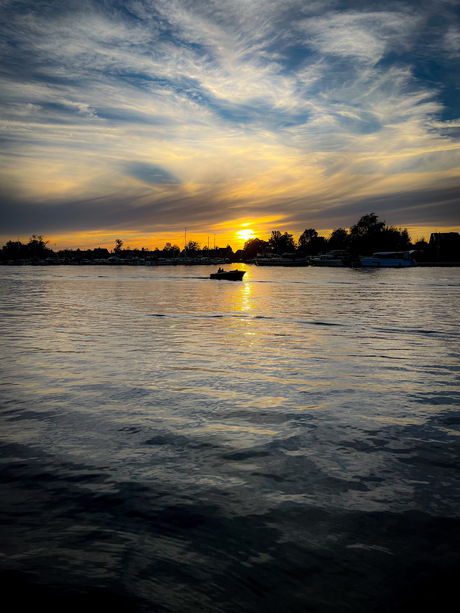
{"x":173,"y":443}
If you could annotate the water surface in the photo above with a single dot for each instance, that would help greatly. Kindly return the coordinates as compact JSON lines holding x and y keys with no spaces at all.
{"x":172,"y":443}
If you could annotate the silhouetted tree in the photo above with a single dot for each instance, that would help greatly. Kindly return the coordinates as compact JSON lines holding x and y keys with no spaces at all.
{"x":423,"y":253}
{"x":288,"y":243}
{"x":14,"y":250}
{"x":101,"y":253}
{"x":37,"y":247}
{"x":274,"y":240}
{"x":310,"y":243}
{"x":368,"y":224}
{"x":370,"y":235}
{"x":253,"y":246}
{"x":281,"y":243}
{"x":306,"y":236}
{"x":339,"y":239}
{"x":170,"y":251}
{"x":118,"y":246}
{"x":421,"y":245}
{"x":394,"y":239}
{"x":192,"y":246}
{"x":305,"y":239}
{"x":365,"y":235}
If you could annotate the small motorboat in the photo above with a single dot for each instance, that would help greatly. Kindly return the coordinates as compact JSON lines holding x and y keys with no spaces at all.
{"x":228,"y":275}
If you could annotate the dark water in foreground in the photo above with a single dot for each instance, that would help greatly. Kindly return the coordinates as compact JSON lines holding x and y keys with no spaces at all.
{"x":171,"y":443}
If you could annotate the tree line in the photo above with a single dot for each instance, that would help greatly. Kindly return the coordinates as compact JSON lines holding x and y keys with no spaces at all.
{"x":34,"y":249}
{"x":368,"y":235}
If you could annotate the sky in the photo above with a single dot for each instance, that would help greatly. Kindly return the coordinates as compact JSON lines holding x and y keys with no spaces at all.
{"x":159,"y":121}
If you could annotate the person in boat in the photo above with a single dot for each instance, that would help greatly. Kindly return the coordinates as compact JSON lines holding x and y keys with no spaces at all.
{"x":220,"y":270}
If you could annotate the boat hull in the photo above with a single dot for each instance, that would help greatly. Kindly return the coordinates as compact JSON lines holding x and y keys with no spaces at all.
{"x":337,"y":258}
{"x":229,"y":275}
{"x":388,"y":259}
{"x":387,"y":263}
{"x":331,"y":262}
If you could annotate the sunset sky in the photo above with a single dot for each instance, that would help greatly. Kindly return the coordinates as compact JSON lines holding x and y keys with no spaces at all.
{"x":138,"y":119}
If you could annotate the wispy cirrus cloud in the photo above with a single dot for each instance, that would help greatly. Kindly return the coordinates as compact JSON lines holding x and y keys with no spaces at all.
{"x":170,"y":112}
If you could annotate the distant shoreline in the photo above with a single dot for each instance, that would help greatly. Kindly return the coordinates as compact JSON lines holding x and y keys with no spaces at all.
{"x":178,"y":263}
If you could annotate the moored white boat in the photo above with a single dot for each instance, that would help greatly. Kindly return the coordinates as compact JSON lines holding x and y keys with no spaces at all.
{"x":333,"y":258}
{"x":275,"y":260}
{"x":389,"y":259}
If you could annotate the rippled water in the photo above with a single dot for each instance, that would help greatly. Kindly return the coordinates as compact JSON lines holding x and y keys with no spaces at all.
{"x":172,"y":443}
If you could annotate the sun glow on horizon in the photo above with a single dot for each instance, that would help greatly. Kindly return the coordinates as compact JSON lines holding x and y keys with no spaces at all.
{"x":217,"y":237}
{"x":245,"y":234}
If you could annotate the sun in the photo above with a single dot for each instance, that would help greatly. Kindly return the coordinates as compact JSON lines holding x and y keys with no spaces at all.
{"x":245,"y":234}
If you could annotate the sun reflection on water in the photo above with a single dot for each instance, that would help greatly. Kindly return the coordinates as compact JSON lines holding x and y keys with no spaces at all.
{"x":245,"y":302}
{"x":244,"y":308}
